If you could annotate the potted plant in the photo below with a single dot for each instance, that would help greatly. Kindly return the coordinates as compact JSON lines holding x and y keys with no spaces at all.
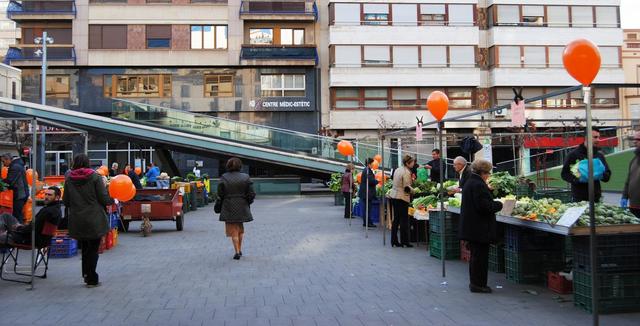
{"x":335,"y":185}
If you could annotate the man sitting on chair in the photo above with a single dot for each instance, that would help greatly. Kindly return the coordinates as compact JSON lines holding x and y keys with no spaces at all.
{"x":51,"y":213}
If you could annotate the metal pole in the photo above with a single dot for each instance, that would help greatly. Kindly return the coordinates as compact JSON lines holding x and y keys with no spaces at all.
{"x":86,"y":144}
{"x":366,"y":201}
{"x":353,"y":170}
{"x":43,"y":99}
{"x":382,"y":216}
{"x":441,"y":194}
{"x":34,"y":127}
{"x":592,"y":215}
{"x":515,"y":161}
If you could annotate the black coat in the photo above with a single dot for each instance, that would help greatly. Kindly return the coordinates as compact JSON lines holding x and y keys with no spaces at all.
{"x":368,"y":178}
{"x":17,"y":179}
{"x":466,"y":173}
{"x":135,"y":179}
{"x":236,"y":192}
{"x":478,"y":212}
{"x":580,"y":190}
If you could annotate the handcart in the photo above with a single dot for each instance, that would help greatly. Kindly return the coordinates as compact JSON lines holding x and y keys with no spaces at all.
{"x":153,"y":205}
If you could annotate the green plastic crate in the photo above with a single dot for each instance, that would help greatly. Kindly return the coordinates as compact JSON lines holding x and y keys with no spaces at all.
{"x":496,"y":258}
{"x":452,"y":246}
{"x":563,"y":194}
{"x":451,"y":222}
{"x":530,"y":267}
{"x":619,"y":292}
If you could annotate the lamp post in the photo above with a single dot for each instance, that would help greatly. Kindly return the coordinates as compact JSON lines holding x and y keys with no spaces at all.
{"x":44,"y":40}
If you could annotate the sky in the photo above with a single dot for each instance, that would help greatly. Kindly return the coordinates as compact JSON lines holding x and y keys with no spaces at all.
{"x":630,"y":13}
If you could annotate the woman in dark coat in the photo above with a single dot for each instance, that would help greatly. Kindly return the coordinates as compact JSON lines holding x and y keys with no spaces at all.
{"x":235,"y":190}
{"x":478,"y":223}
{"x":367,"y":192}
{"x":86,"y":197}
{"x":347,"y":186}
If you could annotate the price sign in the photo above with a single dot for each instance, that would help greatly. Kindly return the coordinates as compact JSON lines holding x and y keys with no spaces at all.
{"x":571,"y":216}
{"x":507,"y":207}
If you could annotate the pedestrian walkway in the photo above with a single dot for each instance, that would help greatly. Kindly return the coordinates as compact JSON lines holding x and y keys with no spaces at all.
{"x":302,"y":265}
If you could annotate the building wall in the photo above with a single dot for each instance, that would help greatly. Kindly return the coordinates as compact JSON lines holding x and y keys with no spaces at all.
{"x":630,"y":97}
{"x":10,"y":82}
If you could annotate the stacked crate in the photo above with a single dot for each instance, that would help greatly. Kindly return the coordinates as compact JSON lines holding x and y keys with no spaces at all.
{"x":529,"y":254}
{"x":450,"y":228}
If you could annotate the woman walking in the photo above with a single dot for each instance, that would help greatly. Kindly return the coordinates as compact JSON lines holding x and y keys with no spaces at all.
{"x":478,"y":223}
{"x":235,"y":191}
{"x":347,"y":188}
{"x":86,"y":197}
{"x":367,"y":193}
{"x":400,"y":198}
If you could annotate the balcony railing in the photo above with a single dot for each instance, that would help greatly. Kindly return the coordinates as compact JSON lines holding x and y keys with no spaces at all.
{"x":252,"y":52}
{"x":16,"y":8}
{"x":28,"y":52}
{"x":289,"y":7}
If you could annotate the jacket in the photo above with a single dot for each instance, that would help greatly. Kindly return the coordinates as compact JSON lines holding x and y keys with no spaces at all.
{"x":153,"y":174}
{"x":236,"y":192}
{"x":464,"y":176}
{"x":401,"y":180}
{"x":51,"y":213}
{"x":17,"y":179}
{"x":347,"y":182}
{"x":86,"y":197}
{"x":135,"y":179}
{"x":368,"y":181}
{"x":632,"y":185}
{"x":580,"y":191}
{"x":478,"y":212}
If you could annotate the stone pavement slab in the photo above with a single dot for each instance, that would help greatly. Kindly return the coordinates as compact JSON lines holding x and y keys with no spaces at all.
{"x":302,"y":265}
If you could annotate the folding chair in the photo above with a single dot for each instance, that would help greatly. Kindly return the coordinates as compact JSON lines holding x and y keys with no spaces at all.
{"x":42,"y":254}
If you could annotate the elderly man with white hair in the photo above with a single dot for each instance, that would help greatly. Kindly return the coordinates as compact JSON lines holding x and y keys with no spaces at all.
{"x":460,"y":165}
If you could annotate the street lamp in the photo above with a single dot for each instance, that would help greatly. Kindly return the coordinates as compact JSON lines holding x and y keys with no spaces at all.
{"x":42,"y":52}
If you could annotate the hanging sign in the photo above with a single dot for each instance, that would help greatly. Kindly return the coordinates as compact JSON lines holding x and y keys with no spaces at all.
{"x":517,"y":114}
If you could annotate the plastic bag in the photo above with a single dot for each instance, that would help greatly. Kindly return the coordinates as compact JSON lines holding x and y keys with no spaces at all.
{"x":598,"y":170}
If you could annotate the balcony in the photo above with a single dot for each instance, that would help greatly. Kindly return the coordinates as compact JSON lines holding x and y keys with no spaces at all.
{"x":41,"y":10}
{"x":298,"y":10}
{"x":289,"y":55}
{"x":25,"y":55}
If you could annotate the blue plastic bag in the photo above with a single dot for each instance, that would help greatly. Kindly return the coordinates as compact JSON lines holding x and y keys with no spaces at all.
{"x":598,"y":170}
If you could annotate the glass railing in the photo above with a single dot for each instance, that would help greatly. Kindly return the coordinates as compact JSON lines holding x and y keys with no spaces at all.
{"x":242,"y":132}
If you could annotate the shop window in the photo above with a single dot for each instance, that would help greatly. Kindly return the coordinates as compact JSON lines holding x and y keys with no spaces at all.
{"x":582,"y":16}
{"x":282,"y":85}
{"x":557,"y":16}
{"x":433,"y":14}
{"x":405,"y":98}
{"x":405,"y":14}
{"x":405,"y":56}
{"x":158,"y":36}
{"x":218,"y":85}
{"x":533,"y":15}
{"x":107,"y":36}
{"x":261,"y":36}
{"x":208,"y":36}
{"x":606,"y":17}
{"x":289,"y":36}
{"x":376,"y":55}
{"x":376,"y":14}
{"x":434,"y":56}
{"x":508,"y":15}
{"x":376,"y":98}
{"x":137,"y":86}
{"x":57,"y":86}
{"x":347,"y":98}
{"x":347,"y":13}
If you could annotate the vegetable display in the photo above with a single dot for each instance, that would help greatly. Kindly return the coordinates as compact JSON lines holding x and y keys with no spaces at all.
{"x":423,"y":203}
{"x":502,"y":184}
{"x":335,"y":183}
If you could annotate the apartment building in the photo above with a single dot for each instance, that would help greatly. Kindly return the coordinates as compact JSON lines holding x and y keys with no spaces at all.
{"x":250,"y":60}
{"x":9,"y":33}
{"x":630,"y":97}
{"x":386,"y":57}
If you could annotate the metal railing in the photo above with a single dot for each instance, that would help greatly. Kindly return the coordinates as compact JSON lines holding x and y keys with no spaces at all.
{"x":28,"y":52}
{"x":288,"y":7}
{"x":279,"y":52}
{"x":41,"y":8}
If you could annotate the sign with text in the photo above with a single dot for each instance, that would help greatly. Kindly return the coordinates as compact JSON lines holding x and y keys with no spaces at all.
{"x":282,"y":104}
{"x":571,"y":216}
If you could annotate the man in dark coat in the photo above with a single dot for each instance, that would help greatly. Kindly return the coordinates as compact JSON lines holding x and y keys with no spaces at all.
{"x":17,"y":181}
{"x":434,"y":166}
{"x":580,"y":190}
{"x":51,"y":213}
{"x":367,"y":192}
{"x":478,"y":223}
{"x":134,"y":178}
{"x":464,"y":171}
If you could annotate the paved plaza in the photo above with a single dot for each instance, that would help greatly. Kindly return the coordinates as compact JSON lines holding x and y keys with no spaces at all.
{"x":302,"y":265}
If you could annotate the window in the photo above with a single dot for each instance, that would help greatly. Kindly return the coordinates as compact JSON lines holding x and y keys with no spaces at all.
{"x":555,"y":56}
{"x":405,"y":14}
{"x":208,"y":36}
{"x":530,"y":92}
{"x":348,"y":56}
{"x":605,"y":97}
{"x":462,"y":56}
{"x":218,"y":85}
{"x":282,"y":85}
{"x":57,"y":86}
{"x":460,"y":98}
{"x":535,"y":57}
{"x":606,"y":17}
{"x":508,"y":15}
{"x":107,"y":36}
{"x":533,"y":15}
{"x":405,"y":56}
{"x":375,"y":98}
{"x":632,"y":36}
{"x":557,"y":16}
{"x":633,"y":45}
{"x":347,"y":98}
{"x":434,"y":56}
{"x":158,"y":1}
{"x":610,"y":56}
{"x":509,"y":56}
{"x":376,"y":55}
{"x":433,"y":15}
{"x":406,"y":98}
{"x":559,"y":101}
{"x":347,"y":14}
{"x":376,"y":14}
{"x":261,"y":36}
{"x":582,"y":16}
{"x":576,"y":99}
{"x":158,"y":36}
{"x":137,"y":86}
{"x":290,"y":36}
{"x":460,"y":15}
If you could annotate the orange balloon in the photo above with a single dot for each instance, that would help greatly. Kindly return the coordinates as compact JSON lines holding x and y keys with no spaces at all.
{"x":380,"y":178}
{"x":103,"y":171}
{"x":581,"y":59}
{"x":345,"y":148}
{"x":438,"y":104}
{"x":375,"y":165}
{"x":30,"y":176}
{"x":378,"y":158}
{"x":137,"y":170}
{"x":120,"y":187}
{"x":359,"y":177}
{"x":130,"y":195}
{"x":5,"y":172}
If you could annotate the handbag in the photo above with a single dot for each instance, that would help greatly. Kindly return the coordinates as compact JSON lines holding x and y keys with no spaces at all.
{"x":217,"y":206}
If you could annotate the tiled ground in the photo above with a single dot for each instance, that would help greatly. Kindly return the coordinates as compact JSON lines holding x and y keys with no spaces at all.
{"x":303,"y":265}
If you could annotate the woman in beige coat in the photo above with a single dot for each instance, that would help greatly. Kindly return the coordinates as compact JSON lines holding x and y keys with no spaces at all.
{"x":400,"y":197}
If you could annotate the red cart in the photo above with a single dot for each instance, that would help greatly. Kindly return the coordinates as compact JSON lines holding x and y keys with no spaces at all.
{"x":153,"y":205}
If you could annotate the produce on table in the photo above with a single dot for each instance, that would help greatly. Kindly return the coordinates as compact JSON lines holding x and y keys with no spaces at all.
{"x":575,"y":169}
{"x":423,"y":203}
{"x":502,"y":184}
